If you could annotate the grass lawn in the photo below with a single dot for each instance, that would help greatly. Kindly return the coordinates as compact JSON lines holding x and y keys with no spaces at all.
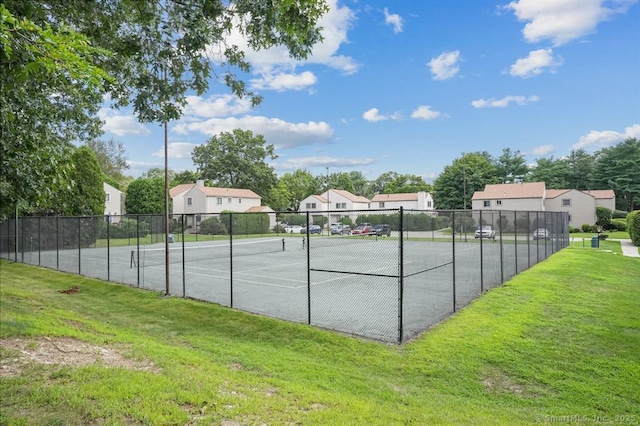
{"x":558,"y":343}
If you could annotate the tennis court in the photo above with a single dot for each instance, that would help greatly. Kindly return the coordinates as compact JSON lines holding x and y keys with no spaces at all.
{"x":385,"y":288}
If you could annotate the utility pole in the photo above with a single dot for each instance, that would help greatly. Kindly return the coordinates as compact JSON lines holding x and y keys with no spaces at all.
{"x":328,"y":206}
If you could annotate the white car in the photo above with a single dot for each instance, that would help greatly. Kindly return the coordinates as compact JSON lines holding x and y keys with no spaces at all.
{"x":541,"y":234}
{"x":293,"y":229}
{"x":485,"y":232}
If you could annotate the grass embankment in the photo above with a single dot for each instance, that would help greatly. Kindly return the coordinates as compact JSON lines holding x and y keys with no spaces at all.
{"x":558,"y":341}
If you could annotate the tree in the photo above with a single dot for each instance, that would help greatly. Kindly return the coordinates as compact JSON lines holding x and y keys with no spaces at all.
{"x":455,"y":186}
{"x":554,"y":173}
{"x":111,"y":156}
{"x":511,"y":166}
{"x":360,"y":184}
{"x":237,"y":160}
{"x":145,"y":196}
{"x":87,"y":196}
{"x":146,"y":53}
{"x":580,"y":166}
{"x":278,"y":198}
{"x":300,"y":184}
{"x":158,"y":173}
{"x":50,"y":91}
{"x":618,"y":168}
{"x":186,"y":176}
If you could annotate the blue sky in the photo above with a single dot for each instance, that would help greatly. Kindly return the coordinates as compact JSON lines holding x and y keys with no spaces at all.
{"x":408,"y":86}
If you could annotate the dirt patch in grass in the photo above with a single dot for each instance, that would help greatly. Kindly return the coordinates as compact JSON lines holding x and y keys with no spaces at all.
{"x":17,"y":354}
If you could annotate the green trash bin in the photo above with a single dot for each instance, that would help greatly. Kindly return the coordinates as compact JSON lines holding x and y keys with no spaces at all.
{"x":595,"y":242}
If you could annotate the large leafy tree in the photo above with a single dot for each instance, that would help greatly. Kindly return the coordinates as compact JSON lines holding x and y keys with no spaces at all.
{"x":111,"y":156}
{"x":145,"y":196}
{"x":186,"y":176}
{"x":146,"y":53}
{"x":455,"y":186}
{"x":396,"y":183}
{"x":361,"y":185}
{"x":555,"y":173}
{"x":618,"y":168}
{"x":50,"y":90}
{"x":511,"y":166}
{"x":86,"y":196}
{"x":237,"y":160}
{"x":300,"y":184}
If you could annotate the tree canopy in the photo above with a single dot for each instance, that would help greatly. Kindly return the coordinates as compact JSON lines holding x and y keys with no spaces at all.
{"x":455,"y":186}
{"x":618,"y":168}
{"x":237,"y":160}
{"x":145,"y":196}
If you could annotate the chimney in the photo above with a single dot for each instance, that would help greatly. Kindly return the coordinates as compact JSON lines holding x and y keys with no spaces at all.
{"x":200,"y":182}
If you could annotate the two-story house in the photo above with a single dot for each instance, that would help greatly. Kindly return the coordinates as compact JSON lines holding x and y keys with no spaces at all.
{"x":421,"y":200}
{"x":113,"y":203}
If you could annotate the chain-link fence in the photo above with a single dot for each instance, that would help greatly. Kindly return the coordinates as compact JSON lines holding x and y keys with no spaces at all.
{"x":382,"y":274}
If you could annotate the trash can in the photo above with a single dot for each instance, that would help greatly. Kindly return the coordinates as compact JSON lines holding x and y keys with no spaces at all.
{"x":170,"y":238}
{"x":595,"y":242}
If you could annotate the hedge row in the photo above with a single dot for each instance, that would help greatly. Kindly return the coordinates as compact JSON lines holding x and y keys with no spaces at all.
{"x":633,"y":226}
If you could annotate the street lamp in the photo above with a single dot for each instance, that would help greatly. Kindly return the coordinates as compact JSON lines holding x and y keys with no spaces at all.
{"x":328,"y":206}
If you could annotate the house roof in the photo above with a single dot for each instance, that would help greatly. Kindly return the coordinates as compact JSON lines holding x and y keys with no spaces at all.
{"x":351,"y":197}
{"x":179,"y":189}
{"x":259,"y":209}
{"x":511,"y":190}
{"x":601,"y":193}
{"x":211,"y":191}
{"x":554,"y":193}
{"x":408,"y":196}
{"x":319,"y":198}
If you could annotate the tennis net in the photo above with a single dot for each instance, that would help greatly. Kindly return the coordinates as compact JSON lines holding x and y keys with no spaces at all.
{"x":156,"y":256}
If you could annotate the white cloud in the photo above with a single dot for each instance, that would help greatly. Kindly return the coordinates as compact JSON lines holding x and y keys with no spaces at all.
{"x":424,"y":112}
{"x":504,"y":102}
{"x":445,"y":66}
{"x":216,"y":106}
{"x":335,"y":25}
{"x":373,"y":115}
{"x":562,"y":21}
{"x":308,"y":162}
{"x":394,"y":20}
{"x":535,"y":63}
{"x":176,"y":150}
{"x":543,"y":150}
{"x":280,"y":133}
{"x":284,"y":81}
{"x":604,"y":138}
{"x":121,"y":125}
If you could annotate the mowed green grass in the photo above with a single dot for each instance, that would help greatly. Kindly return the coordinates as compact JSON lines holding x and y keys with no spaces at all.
{"x":558,"y":341}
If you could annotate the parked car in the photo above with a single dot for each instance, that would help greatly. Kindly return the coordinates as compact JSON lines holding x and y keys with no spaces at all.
{"x":340,"y":229}
{"x":292,"y":229}
{"x":541,"y":234}
{"x":363,"y":230}
{"x":381,"y":230}
{"x":485,"y":231}
{"x":313,"y":229}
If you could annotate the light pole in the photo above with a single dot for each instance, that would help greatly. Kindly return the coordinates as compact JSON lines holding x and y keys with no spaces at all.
{"x":328,"y":206}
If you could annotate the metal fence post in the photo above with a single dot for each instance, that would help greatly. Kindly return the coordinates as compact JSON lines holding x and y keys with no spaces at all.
{"x":481,"y":258}
{"x":501,"y":248}
{"x":138,"y":246}
{"x":308,"y":272}
{"x":453,"y":251}
{"x":184,"y":274}
{"x":79,"y":246}
{"x":401,"y":278}
{"x":231,"y":259}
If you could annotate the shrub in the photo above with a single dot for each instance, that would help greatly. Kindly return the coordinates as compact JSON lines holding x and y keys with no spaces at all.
{"x":619,"y":214}
{"x":212,"y":226}
{"x":126,"y":228}
{"x":278,"y":228}
{"x":633,"y":226}
{"x":293,"y":219}
{"x":246,"y":223}
{"x":619,"y":224}
{"x":603,"y":215}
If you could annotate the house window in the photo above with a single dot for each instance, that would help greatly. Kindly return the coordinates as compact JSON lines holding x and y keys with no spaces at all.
{"x":341,"y":205}
{"x":239,"y":200}
{"x":189,"y":201}
{"x":219,"y":200}
{"x":228,"y":200}
{"x":566,"y":202}
{"x":381,"y":205}
{"x":428,"y":203}
{"x":108,"y":197}
{"x":311,"y":205}
{"x":498,"y":202}
{"x":486,"y":203}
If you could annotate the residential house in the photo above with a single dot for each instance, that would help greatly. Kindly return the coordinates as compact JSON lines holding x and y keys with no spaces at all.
{"x":332,"y":203}
{"x":533,"y":196}
{"x":409,"y":201}
{"x":195,"y":201}
{"x":113,"y":203}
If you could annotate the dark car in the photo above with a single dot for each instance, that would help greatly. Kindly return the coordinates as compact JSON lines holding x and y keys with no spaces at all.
{"x":381,"y":230}
{"x":313,"y":229}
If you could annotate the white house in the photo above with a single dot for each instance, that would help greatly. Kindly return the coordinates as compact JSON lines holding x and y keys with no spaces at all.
{"x":332,"y":202}
{"x":410,"y":201}
{"x":195,"y":200}
{"x":113,"y":202}
{"x":533,"y":196}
